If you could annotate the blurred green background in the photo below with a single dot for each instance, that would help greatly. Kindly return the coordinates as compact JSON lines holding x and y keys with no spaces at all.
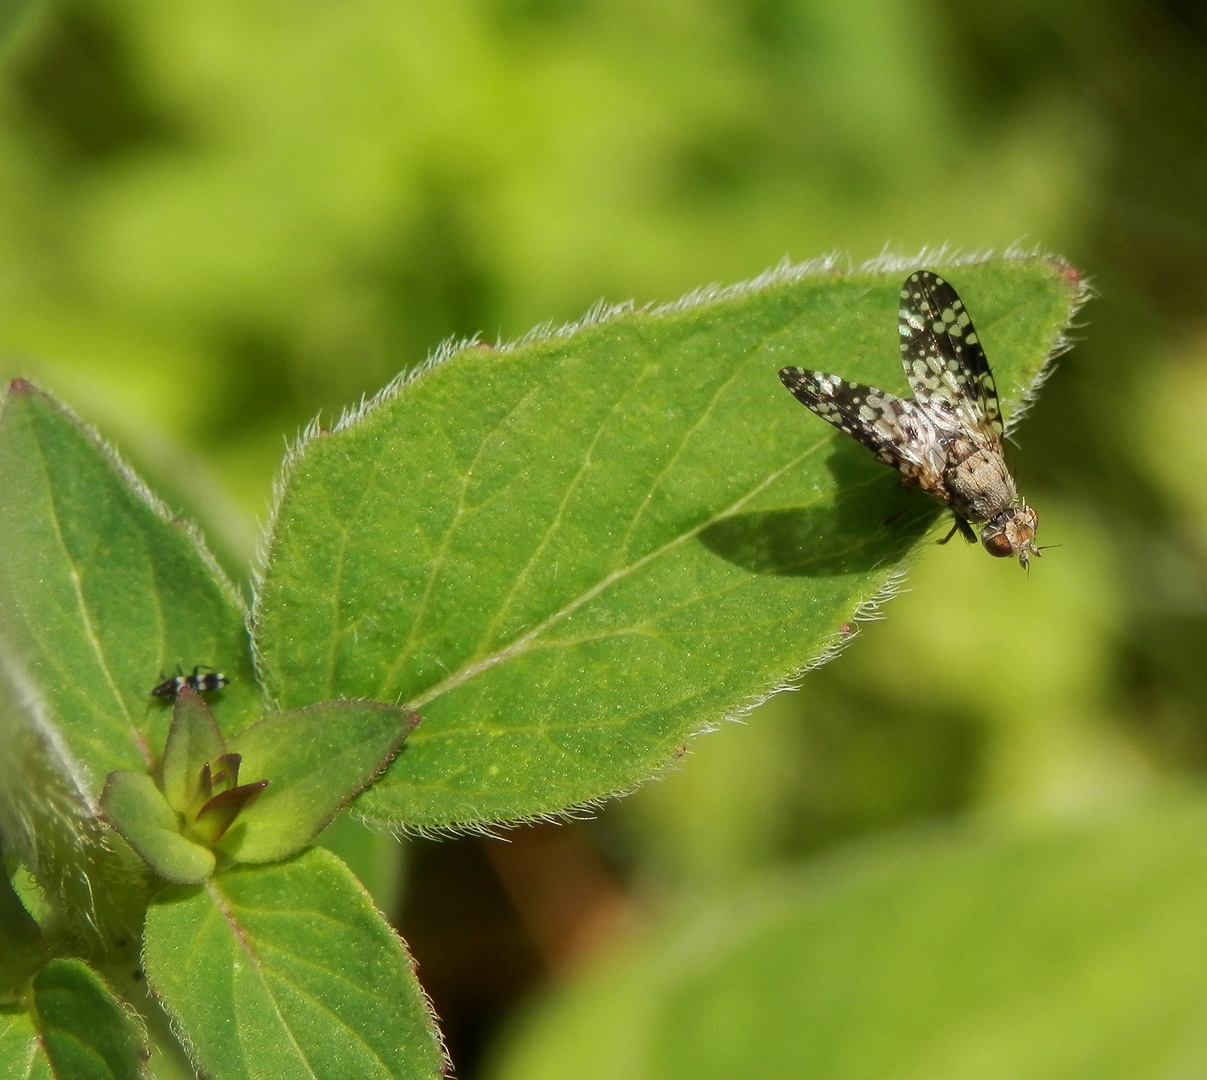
{"x":219,"y":219}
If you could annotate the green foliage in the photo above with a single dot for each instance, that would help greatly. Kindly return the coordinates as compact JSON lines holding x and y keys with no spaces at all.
{"x":315,"y":759}
{"x":20,"y":1054}
{"x":219,"y":220}
{"x":569,"y":556}
{"x":289,"y":968}
{"x":1053,"y":953}
{"x":100,"y":593}
{"x":80,"y":1028}
{"x":194,"y":742}
{"x":308,"y":764}
{"x":136,"y":808}
{"x":572,"y":555}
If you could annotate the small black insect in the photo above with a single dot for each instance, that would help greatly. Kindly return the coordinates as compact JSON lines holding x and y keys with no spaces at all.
{"x":947,"y":438}
{"x":203,"y":680}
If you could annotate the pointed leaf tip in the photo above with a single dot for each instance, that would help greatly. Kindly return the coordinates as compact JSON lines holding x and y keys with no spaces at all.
{"x":194,"y":744}
{"x":20,"y":386}
{"x":219,"y":814}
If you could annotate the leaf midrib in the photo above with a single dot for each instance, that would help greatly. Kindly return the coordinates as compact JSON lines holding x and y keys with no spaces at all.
{"x":266,"y":972}
{"x":522,"y":644}
{"x":82,"y":604}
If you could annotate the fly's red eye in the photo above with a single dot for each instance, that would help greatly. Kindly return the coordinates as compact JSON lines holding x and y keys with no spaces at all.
{"x":998,"y":545}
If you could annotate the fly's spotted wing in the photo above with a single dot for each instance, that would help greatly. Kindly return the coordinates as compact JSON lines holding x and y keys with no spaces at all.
{"x":942,"y":357}
{"x":895,"y":430}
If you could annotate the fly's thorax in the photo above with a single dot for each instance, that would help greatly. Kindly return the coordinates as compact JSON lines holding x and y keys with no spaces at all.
{"x":1012,"y":532}
{"x":978,"y":481}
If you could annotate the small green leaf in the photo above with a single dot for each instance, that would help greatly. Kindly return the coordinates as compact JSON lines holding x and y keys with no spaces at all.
{"x":572,"y":554}
{"x":1074,"y":951}
{"x":101,"y":592}
{"x":136,"y":808}
{"x":317,"y":760}
{"x":289,"y":964}
{"x":85,"y":1031}
{"x":194,"y":741}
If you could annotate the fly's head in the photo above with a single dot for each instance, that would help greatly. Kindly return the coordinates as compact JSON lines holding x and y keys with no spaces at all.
{"x":1012,"y":532}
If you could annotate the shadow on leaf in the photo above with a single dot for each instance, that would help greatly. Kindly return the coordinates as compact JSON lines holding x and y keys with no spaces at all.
{"x":872,"y":521}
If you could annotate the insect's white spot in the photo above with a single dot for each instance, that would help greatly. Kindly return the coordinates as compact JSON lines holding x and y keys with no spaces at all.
{"x":971,"y":339}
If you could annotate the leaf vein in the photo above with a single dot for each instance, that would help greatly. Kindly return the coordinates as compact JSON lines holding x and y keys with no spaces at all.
{"x":523,"y":643}
{"x":442,"y":551}
{"x":556,"y":520}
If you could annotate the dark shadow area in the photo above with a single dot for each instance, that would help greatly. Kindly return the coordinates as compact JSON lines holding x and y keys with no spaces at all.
{"x":473,"y":954}
{"x":488,"y":919}
{"x":79,"y":87}
{"x":873,"y":521}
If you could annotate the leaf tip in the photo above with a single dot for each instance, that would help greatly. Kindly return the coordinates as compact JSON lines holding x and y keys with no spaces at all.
{"x":21,"y":386}
{"x":411,"y":720}
{"x":1069,"y":273}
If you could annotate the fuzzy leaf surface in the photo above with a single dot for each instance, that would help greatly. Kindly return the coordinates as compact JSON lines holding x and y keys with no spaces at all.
{"x":194,"y":741}
{"x":137,"y":809}
{"x":315,"y":760}
{"x":86,"y":1032}
{"x":571,"y":555}
{"x":288,"y":972}
{"x":100,"y":593}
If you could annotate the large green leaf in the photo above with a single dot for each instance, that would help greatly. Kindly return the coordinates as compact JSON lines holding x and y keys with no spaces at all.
{"x":288,"y":971}
{"x":1072,"y":953}
{"x":570,"y":555}
{"x":101,"y":592}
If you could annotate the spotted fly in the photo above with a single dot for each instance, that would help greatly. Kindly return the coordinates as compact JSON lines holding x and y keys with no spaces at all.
{"x":947,"y":438}
{"x":203,"y":680}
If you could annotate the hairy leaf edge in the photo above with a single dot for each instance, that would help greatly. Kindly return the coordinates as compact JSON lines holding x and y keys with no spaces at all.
{"x":868,"y":610}
{"x":136,"y":483}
